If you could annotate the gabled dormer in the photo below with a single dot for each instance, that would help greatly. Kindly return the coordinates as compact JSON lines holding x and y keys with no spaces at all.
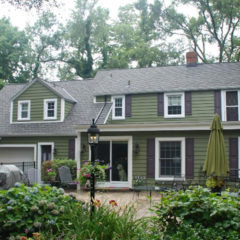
{"x":41,"y":101}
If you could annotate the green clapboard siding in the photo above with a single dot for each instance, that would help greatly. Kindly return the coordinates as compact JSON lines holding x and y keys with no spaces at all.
{"x":60,"y":143}
{"x":140,"y":161}
{"x":36,"y":94}
{"x":144,"y":109}
{"x":102,"y":98}
{"x":68,"y":108}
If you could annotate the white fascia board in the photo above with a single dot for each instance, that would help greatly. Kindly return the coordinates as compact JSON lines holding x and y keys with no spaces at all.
{"x":159,"y":127}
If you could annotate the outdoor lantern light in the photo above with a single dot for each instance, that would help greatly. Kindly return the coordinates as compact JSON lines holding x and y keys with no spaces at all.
{"x":93,"y":139}
{"x":93,"y":134}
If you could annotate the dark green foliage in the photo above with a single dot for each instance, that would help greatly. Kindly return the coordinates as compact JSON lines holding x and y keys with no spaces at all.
{"x":31,"y":209}
{"x":197,"y":214}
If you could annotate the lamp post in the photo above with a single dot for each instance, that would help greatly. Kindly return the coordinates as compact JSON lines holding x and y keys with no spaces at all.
{"x":93,"y":139}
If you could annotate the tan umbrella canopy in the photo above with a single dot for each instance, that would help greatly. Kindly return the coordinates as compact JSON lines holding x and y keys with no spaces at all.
{"x":216,"y":163}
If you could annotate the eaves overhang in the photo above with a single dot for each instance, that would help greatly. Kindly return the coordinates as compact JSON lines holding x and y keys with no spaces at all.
{"x":189,"y":126}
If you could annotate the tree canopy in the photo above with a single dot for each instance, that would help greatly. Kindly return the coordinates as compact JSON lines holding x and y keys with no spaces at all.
{"x":145,"y":34}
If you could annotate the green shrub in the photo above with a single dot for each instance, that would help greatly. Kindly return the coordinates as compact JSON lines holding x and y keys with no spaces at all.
{"x":107,"y":223}
{"x":53,"y":167}
{"x":28,"y":209}
{"x":72,"y":164}
{"x":197,"y":214}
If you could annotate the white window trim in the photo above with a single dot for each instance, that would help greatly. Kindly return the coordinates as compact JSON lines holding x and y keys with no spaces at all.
{"x":46,"y":101}
{"x":62,"y":109}
{"x":123,"y":108}
{"x":166,"y":115}
{"x":157,"y":154}
{"x":20,"y":109}
{"x":223,"y":104}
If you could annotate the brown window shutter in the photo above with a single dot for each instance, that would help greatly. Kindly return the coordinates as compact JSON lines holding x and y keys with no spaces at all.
{"x":188,"y":103}
{"x":189,"y":158}
{"x":233,"y":156}
{"x":217,"y":103}
{"x":71,"y":148}
{"x":160,"y":104}
{"x":151,"y":158}
{"x":128,"y":105}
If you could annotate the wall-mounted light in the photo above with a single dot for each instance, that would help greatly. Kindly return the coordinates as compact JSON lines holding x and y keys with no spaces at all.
{"x":83,"y":149}
{"x":55,"y":151}
{"x":0,"y":138}
{"x":137,"y":148}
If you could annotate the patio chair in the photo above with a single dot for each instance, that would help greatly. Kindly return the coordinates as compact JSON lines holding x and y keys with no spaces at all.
{"x":32,"y":174}
{"x":66,"y":177}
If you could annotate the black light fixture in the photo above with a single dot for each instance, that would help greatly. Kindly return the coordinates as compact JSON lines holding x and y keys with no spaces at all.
{"x":93,"y":139}
{"x":55,"y":151}
{"x":93,"y":134}
{"x":137,"y":148}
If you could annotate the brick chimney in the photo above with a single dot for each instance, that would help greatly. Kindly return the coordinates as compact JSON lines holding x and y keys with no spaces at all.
{"x":191,"y":59}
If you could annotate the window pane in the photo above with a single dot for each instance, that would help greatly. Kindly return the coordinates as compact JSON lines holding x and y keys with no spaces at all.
{"x":172,"y":110}
{"x":232,"y":113}
{"x":232,"y":98}
{"x":50,"y":113}
{"x":24,"y":106}
{"x":174,"y":105}
{"x":24,"y":114}
{"x":50,"y":105}
{"x":118,"y":112}
{"x":170,"y":158}
{"x":118,"y":102}
{"x":174,"y":100}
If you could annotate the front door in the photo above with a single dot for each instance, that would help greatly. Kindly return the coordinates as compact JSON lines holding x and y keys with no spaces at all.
{"x":115,"y":153}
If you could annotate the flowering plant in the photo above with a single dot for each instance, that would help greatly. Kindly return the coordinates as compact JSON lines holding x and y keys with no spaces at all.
{"x":88,"y":169}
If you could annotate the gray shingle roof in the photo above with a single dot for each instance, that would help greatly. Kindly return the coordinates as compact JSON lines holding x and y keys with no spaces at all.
{"x":178,"y":78}
{"x":82,"y":112}
{"x":168,"y":79}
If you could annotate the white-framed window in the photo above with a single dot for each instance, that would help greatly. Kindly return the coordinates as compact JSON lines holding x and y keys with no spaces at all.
{"x":24,"y":110}
{"x":174,"y":105}
{"x":230,"y":105}
{"x":169,"y":158}
{"x":50,"y":109}
{"x":118,"y":111}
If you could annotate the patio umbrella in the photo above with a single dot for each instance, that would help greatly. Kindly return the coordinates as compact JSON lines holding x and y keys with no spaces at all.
{"x":216,"y":163}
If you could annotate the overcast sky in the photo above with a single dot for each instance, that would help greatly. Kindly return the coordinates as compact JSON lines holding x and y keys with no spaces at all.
{"x":20,"y":18}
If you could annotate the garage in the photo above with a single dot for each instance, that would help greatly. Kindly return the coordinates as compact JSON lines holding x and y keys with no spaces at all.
{"x":18,"y":155}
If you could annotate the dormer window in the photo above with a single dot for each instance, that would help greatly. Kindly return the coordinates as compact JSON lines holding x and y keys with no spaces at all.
{"x":118,"y":107}
{"x":50,"y":109}
{"x":24,"y":110}
{"x":174,"y":105}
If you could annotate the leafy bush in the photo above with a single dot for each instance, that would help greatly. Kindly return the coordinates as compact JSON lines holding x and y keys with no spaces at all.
{"x":197,"y":214}
{"x":72,"y":164}
{"x":107,"y":223}
{"x":50,"y":168}
{"x":30,"y":209}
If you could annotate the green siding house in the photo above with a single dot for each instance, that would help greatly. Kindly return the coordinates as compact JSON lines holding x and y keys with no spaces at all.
{"x":154,"y":122}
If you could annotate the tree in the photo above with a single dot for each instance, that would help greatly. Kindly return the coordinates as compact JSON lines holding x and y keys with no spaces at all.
{"x":29,"y":4}
{"x":46,"y":43}
{"x":14,"y":54}
{"x":217,"y":23}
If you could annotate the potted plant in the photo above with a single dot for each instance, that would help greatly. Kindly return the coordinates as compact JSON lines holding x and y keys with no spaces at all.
{"x":215,"y":183}
{"x":88,"y":169}
{"x":51,"y":174}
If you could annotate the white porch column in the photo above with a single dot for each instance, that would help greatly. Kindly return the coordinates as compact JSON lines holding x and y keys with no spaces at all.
{"x":78,"y":155}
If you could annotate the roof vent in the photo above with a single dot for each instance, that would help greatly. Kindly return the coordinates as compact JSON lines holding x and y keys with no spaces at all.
{"x":191,"y":59}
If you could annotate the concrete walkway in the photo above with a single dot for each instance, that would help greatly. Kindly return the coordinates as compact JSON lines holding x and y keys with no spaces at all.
{"x":140,"y":201}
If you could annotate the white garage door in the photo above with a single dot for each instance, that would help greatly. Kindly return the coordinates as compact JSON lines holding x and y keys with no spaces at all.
{"x":16,"y":154}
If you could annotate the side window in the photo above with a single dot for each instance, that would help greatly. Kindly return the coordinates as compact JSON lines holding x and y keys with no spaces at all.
{"x":118,"y":107}
{"x":230,"y":105}
{"x":174,"y":105}
{"x":24,"y":110}
{"x":50,"y":109}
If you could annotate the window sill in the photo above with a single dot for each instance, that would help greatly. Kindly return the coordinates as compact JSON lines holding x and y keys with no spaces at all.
{"x":174,"y":116}
{"x":120,"y":118}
